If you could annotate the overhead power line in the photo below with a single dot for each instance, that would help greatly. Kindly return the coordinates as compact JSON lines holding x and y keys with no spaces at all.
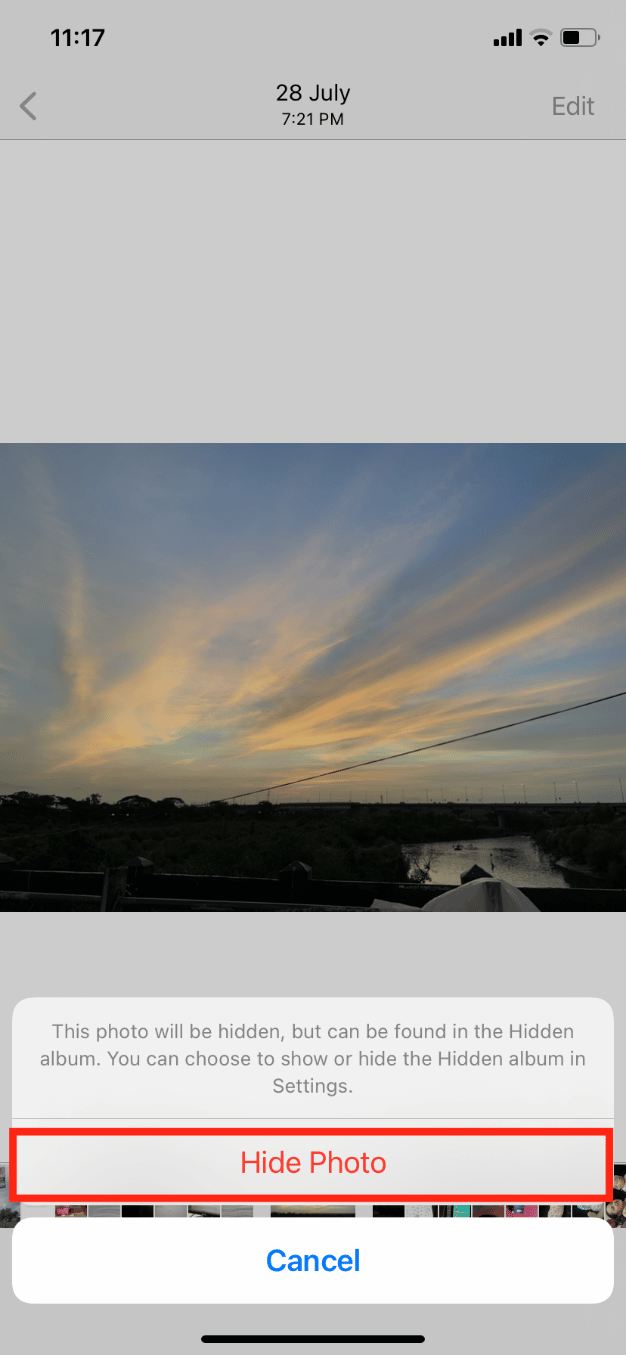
{"x":424,"y":749}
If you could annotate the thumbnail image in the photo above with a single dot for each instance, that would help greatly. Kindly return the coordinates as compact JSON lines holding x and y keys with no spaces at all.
{"x":203,"y":1211}
{"x":420,"y":1211}
{"x":312,"y":1211}
{"x":170,"y":1211}
{"x":616,"y":1209}
{"x":9,"y":1210}
{"x":37,"y":1211}
{"x":388,"y":1211}
{"x":555,"y":1211}
{"x":236,"y":1211}
{"x":70,"y":1211}
{"x":487,"y":1211}
{"x":587,"y":1211}
{"x":9,"y":1215}
{"x":521,"y":1211}
{"x":291,"y":583}
{"x":104,"y":1211}
{"x":453,"y":1211}
{"x":137,"y":1211}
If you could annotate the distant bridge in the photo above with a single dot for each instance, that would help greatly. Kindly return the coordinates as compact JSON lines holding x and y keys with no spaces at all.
{"x":463,"y":807}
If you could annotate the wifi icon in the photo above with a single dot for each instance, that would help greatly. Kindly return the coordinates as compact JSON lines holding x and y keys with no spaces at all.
{"x":541,"y":35}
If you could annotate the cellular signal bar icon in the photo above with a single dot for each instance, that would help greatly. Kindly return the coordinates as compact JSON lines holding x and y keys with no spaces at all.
{"x":514,"y":39}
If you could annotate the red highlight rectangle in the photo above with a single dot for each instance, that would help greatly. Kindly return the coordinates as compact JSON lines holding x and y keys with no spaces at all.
{"x":348,"y":1198}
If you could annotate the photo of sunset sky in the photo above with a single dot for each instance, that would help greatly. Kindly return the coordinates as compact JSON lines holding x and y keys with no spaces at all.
{"x":202,"y":621}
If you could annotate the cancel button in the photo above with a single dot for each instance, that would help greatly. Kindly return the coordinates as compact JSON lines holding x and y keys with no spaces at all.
{"x":579,"y":107}
{"x":279,"y":1260}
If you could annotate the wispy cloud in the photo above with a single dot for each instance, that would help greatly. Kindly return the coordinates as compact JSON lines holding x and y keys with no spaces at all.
{"x":354,"y":634}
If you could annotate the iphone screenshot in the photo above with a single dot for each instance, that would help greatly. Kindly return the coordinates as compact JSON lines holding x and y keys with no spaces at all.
{"x":312,"y":675}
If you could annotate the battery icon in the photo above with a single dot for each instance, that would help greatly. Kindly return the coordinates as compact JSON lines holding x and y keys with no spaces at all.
{"x":579,"y":37}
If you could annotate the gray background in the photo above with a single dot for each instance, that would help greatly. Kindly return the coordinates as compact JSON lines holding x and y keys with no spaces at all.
{"x":257,"y":954}
{"x":266,"y":292}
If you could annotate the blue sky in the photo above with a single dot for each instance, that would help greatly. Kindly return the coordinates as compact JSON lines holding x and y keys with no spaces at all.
{"x":206,"y":620}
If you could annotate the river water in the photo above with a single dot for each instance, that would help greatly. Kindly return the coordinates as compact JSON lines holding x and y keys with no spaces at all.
{"x":518,"y":860}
